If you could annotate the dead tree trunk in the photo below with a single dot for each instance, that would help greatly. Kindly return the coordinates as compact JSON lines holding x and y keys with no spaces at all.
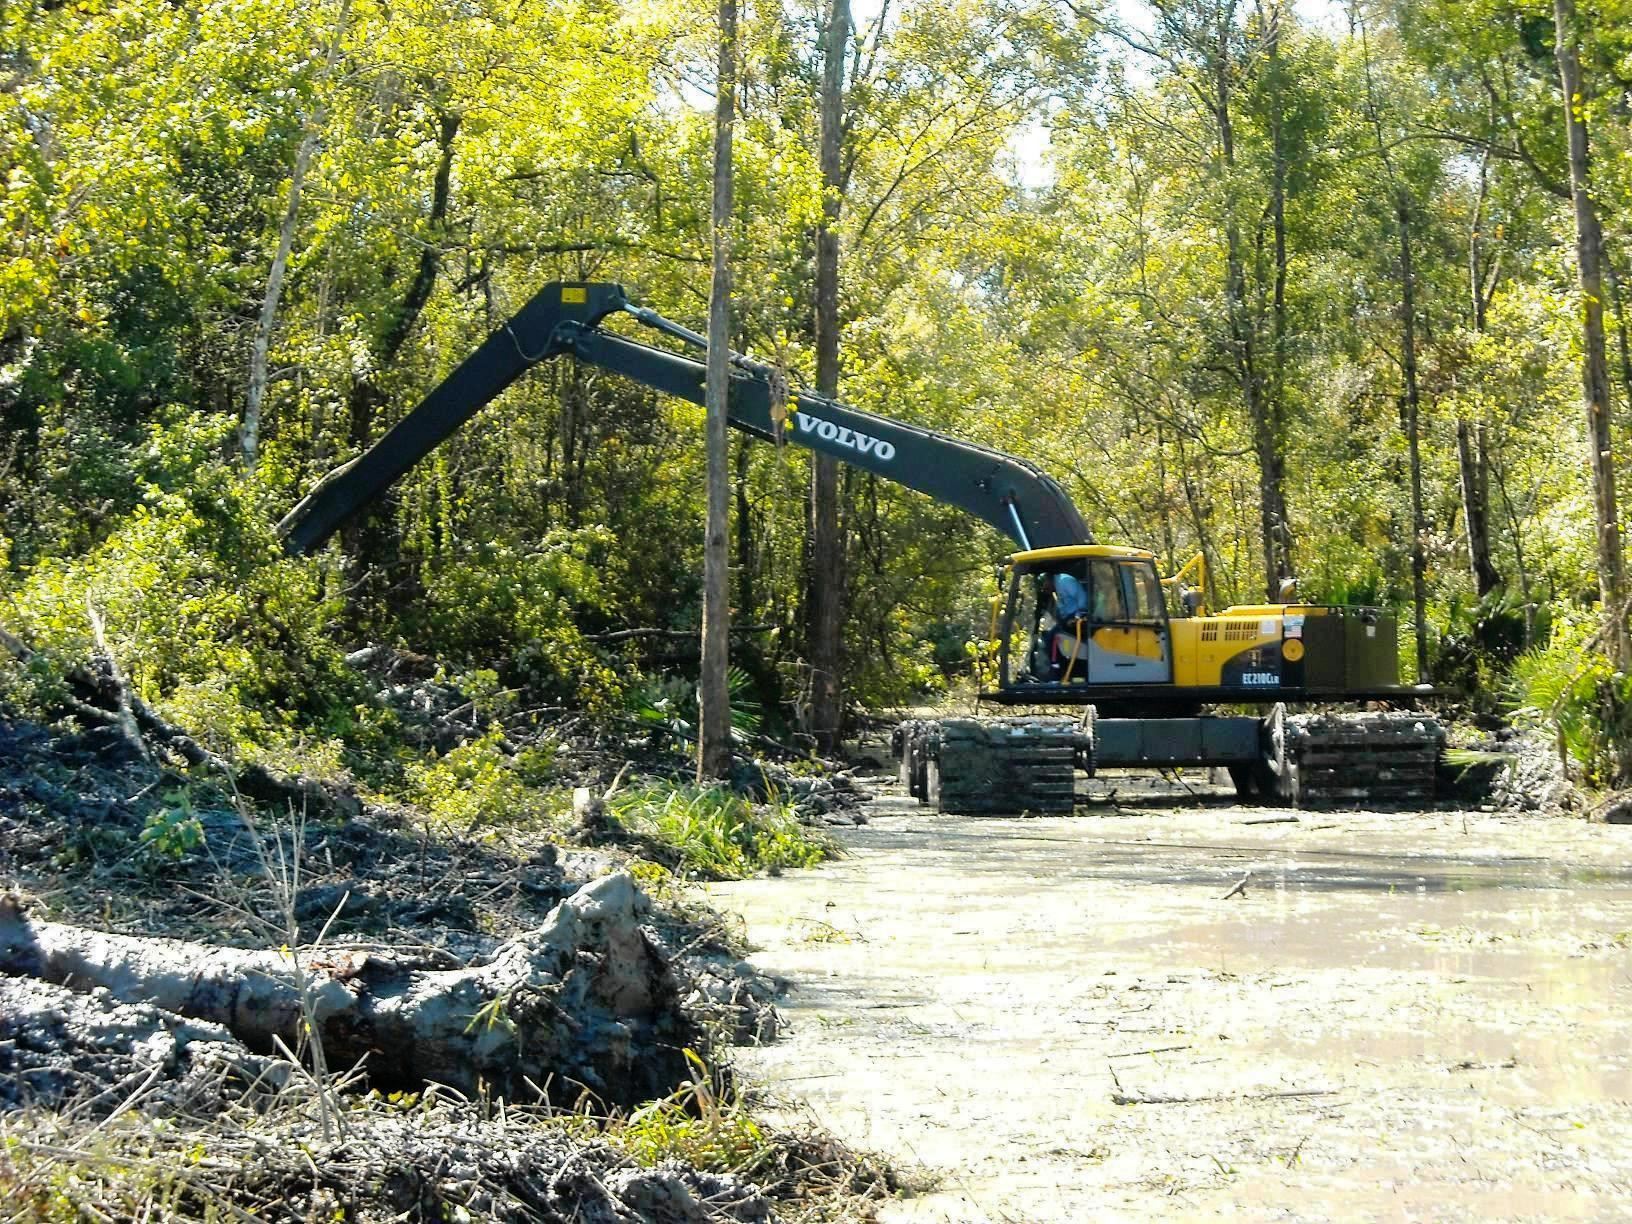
{"x":585,"y":1001}
{"x":1412,"y":420}
{"x":259,"y":346}
{"x":1473,"y":458}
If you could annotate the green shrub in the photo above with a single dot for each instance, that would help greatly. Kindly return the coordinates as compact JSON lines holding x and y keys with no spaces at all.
{"x":1573,"y":685}
{"x":210,"y":621}
{"x":669,"y":702}
{"x":695,"y":1124}
{"x":721,"y":1138}
{"x":171,"y":831}
{"x":524,"y":605}
{"x":715,"y":832}
{"x":915,"y":666}
{"x":479,"y":784}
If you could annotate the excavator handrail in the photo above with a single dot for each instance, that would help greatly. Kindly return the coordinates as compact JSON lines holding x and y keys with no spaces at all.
{"x":1198,"y":564}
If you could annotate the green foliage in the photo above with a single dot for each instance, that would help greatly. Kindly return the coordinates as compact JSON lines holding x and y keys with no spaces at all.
{"x":715,"y":832}
{"x":1070,"y":304}
{"x":670,"y":702}
{"x":723,"y":1139}
{"x":199,"y":606}
{"x":479,"y":784}
{"x":171,"y":831}
{"x":1586,"y":702}
{"x":528,"y":602}
{"x":696,"y":1126}
{"x":906,"y":666}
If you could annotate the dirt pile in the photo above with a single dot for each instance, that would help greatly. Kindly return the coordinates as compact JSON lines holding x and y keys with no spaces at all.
{"x":61,"y":1047}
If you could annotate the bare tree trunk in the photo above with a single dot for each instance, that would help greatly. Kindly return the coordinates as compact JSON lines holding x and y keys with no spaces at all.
{"x":825,"y":587}
{"x":1413,"y":431}
{"x":713,"y":689}
{"x":1481,"y":276}
{"x":1244,"y":332}
{"x":1273,"y":408}
{"x":1473,"y":459}
{"x":1589,"y":243}
{"x":1411,"y":406}
{"x":1622,"y":336}
{"x":1474,"y":465}
{"x":747,"y":586}
{"x":251,"y":436}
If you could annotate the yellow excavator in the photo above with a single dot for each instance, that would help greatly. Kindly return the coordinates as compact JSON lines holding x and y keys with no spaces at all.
{"x":1138,"y":652}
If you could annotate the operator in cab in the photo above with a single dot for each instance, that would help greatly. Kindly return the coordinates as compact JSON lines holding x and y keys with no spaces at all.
{"x":1064,"y":597}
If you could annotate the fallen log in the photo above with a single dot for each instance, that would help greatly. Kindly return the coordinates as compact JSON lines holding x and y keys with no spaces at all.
{"x":586,"y":1002}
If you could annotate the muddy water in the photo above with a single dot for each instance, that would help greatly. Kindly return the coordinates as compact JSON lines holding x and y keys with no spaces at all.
{"x":1404,"y":1016}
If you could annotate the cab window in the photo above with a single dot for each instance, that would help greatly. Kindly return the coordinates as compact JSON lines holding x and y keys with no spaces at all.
{"x":1105,"y":602}
{"x":1144,"y":593}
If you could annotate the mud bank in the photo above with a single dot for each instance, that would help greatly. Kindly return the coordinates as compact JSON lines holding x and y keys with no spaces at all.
{"x":1407,"y":1015}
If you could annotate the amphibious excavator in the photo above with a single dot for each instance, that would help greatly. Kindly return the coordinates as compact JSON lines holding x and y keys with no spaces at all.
{"x":1137,"y":653}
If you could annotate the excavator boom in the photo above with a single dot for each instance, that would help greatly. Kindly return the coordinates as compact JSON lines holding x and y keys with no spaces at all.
{"x":1010,"y":493}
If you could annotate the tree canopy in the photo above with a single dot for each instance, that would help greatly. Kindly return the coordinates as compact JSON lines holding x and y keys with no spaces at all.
{"x":1298,"y":292}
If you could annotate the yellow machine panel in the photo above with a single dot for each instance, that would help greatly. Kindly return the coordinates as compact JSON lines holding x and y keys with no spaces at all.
{"x":1137,"y":641}
{"x":1203,"y":646}
{"x":1243,"y":644}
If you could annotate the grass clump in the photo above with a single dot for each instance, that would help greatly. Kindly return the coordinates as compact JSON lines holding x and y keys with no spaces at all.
{"x":712,"y":831}
{"x":696,"y":1124}
{"x":706,"y":1125}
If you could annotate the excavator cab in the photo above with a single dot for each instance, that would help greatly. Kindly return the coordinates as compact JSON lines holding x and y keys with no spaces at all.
{"x":1106,"y":627}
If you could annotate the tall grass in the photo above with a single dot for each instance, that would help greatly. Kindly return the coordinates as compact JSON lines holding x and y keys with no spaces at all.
{"x":716,"y":833}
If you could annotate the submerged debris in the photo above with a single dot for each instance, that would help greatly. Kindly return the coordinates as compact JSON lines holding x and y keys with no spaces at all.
{"x":1532,"y":777}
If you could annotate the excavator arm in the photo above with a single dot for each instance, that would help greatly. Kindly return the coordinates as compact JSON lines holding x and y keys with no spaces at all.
{"x":1011,"y":494}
